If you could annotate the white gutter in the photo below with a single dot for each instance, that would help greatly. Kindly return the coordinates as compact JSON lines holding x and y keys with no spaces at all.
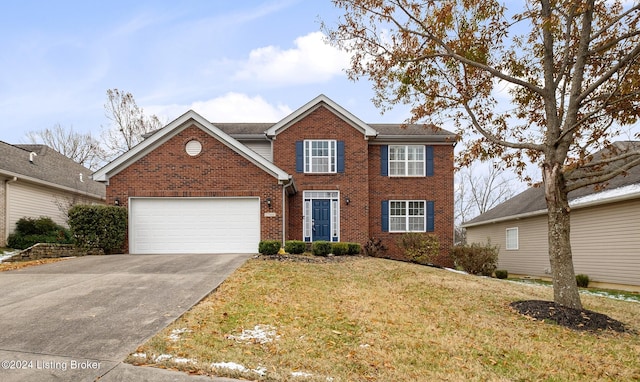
{"x":6,"y":207}
{"x":284,"y":209}
{"x":573,"y":205}
{"x":50,"y":184}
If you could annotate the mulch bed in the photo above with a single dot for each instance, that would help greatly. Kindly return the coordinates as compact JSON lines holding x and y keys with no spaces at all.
{"x":582,"y":320}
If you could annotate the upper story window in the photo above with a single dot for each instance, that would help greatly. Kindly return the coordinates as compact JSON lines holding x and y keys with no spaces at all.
{"x":406,"y":160}
{"x":320,"y":156}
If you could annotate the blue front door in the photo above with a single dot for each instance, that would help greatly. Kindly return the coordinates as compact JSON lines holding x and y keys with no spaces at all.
{"x":321,"y":223}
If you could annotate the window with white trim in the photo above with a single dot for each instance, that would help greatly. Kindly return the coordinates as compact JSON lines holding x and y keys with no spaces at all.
{"x":512,"y":238}
{"x":407,"y":216}
{"x":320,"y":156}
{"x":406,"y":160}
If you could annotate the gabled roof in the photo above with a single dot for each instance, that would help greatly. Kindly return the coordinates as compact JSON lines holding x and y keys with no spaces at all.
{"x":310,"y":106}
{"x":173,"y":128}
{"x":391,"y":132}
{"x":49,"y":168}
{"x":531,"y":202}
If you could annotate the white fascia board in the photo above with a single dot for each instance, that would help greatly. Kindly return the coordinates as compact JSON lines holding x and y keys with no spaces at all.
{"x":173,"y":128}
{"x":573,"y":204}
{"x":44,"y":183}
{"x":367,"y":130}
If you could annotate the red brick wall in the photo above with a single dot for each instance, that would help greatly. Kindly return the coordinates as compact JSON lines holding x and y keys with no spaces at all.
{"x":322,"y":123}
{"x":438,"y":188}
{"x":218,"y":171}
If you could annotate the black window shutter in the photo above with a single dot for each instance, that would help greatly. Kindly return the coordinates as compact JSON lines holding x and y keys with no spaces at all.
{"x":340,"y":154}
{"x":299,"y":156}
{"x":385,"y":216}
{"x":430,"y":216}
{"x":384,"y":160}
{"x":429,"y":156}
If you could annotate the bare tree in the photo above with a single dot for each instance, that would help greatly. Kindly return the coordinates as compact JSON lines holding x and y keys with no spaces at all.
{"x":572,"y":75}
{"x":79,"y":147}
{"x":479,"y":189}
{"x":128,"y":123}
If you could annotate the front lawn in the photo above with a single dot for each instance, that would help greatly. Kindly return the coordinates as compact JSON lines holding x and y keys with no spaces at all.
{"x":369,"y":319}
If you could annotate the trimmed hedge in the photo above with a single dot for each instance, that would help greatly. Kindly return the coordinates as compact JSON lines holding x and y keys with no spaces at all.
{"x":321,"y":248}
{"x":31,"y":231}
{"x":99,"y":226}
{"x":339,"y":249}
{"x":354,"y":249}
{"x":582,"y":281}
{"x":502,"y":274}
{"x":420,"y":248}
{"x":269,"y":247}
{"x":295,"y":247}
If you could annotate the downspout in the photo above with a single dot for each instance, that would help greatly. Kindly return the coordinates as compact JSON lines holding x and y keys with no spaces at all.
{"x":6,"y":207}
{"x":284,"y":210}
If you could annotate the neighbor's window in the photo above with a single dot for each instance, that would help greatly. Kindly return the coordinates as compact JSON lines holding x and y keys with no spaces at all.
{"x":407,"y":216}
{"x":319,"y":156}
{"x":406,"y":160}
{"x":512,"y":238}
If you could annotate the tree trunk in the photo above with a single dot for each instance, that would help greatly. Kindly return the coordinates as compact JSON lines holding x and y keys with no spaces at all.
{"x":565,"y":288}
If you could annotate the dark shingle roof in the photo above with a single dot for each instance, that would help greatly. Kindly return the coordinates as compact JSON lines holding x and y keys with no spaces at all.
{"x":532,"y":199}
{"x":48,"y":166}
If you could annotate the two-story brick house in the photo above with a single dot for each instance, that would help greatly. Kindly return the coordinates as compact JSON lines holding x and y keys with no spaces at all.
{"x":318,"y":174}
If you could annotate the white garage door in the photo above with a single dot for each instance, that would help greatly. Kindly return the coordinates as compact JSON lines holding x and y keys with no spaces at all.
{"x":194,"y":225}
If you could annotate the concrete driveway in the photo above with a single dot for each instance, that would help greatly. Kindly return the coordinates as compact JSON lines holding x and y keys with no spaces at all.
{"x":76,"y":320}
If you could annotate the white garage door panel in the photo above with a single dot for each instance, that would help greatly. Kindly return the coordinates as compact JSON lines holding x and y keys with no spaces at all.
{"x":194,"y":225}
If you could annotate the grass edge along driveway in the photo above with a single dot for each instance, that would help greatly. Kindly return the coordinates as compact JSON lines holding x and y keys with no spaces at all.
{"x":370,"y":319}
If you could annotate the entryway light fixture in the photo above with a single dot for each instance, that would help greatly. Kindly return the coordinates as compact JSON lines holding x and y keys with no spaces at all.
{"x":117,"y":201}
{"x":269,"y":202}
{"x":347,"y":200}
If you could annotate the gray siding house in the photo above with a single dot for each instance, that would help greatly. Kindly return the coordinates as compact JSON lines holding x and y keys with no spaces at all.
{"x":605,"y":232}
{"x":36,"y":180}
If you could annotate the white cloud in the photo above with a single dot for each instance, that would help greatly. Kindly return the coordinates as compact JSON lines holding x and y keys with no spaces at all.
{"x":311,"y":61}
{"x":231,"y":107}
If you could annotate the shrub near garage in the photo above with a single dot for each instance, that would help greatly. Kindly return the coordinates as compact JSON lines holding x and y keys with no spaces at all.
{"x":269,"y":247}
{"x":31,"y":231}
{"x":99,"y":226}
{"x":295,"y":247}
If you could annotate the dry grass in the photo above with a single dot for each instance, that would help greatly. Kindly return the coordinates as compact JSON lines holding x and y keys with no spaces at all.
{"x":30,"y":263}
{"x":380,"y":320}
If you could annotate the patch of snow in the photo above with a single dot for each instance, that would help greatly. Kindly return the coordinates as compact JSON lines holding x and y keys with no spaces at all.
{"x":175,"y":334}
{"x":606,"y":194}
{"x":163,"y":357}
{"x":260,"y":370}
{"x":6,"y":255}
{"x":183,"y":360}
{"x":301,"y":374}
{"x":364,"y":345}
{"x":261,"y":334}
{"x":612,"y":295}
{"x":455,"y":271}
{"x":139,"y":355}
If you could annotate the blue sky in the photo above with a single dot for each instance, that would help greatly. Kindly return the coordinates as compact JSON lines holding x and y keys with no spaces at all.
{"x":228,"y":60}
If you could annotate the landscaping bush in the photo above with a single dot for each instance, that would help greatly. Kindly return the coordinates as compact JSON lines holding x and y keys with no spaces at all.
{"x":582,"y":281}
{"x":321,"y":248}
{"x":340,"y":249}
{"x":99,"y":226}
{"x":375,"y":248}
{"x":502,"y":274}
{"x":295,"y":247}
{"x":477,"y":259}
{"x":31,"y":231}
{"x":354,"y":249}
{"x":269,"y":247}
{"x":419,"y":247}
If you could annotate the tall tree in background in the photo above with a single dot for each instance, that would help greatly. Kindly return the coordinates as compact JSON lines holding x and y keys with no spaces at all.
{"x":477,"y":191}
{"x":79,"y":147}
{"x":128,"y":123}
{"x":572,"y":70}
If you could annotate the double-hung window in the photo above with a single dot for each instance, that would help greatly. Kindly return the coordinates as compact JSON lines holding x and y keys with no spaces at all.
{"x":407,"y":216}
{"x":512,"y":239}
{"x":406,"y":160}
{"x":320,"y":156}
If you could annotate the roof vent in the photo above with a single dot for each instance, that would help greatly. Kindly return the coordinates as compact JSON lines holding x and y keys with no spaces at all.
{"x":31,"y":156}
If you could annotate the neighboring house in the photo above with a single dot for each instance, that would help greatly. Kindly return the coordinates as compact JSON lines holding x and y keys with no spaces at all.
{"x":318,"y":174}
{"x":36,"y":180}
{"x":605,"y":232}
